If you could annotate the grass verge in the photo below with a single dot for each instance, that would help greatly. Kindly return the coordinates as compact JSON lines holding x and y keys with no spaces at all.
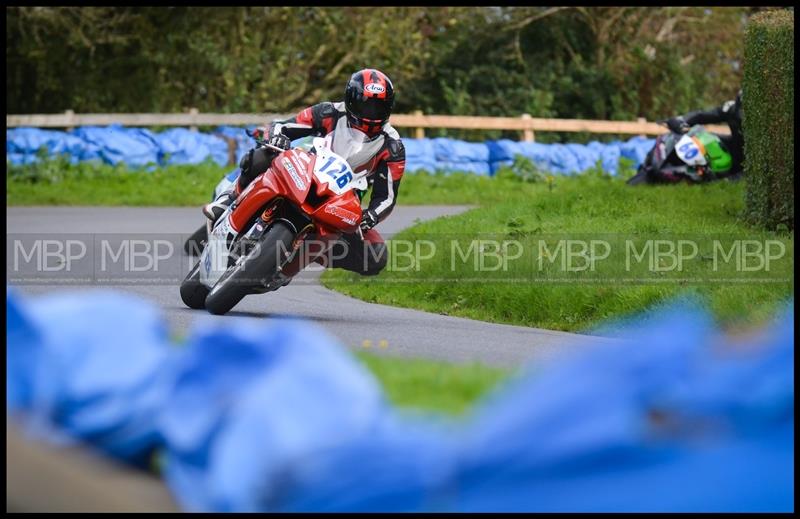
{"x":582,"y":207}
{"x":432,"y":386}
{"x":57,"y":182}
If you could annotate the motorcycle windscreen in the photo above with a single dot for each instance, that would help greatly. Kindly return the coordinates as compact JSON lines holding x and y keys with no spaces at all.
{"x":346,"y":142}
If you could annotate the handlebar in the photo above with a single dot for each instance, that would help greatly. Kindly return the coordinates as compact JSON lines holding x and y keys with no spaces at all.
{"x":263,"y":142}
{"x":270,"y":146}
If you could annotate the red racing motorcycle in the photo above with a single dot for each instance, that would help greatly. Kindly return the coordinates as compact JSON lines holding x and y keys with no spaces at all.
{"x":302,"y":193}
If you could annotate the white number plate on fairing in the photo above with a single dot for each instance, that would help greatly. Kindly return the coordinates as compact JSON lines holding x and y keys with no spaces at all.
{"x":333,"y":170}
{"x":689,"y":151}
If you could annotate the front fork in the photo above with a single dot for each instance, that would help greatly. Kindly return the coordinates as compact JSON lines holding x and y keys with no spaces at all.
{"x":279,"y":209}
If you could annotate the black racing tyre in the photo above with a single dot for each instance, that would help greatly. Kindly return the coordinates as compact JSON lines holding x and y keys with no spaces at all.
{"x":639,"y":178}
{"x":194,"y":244}
{"x":193,"y":292}
{"x":262,"y":261}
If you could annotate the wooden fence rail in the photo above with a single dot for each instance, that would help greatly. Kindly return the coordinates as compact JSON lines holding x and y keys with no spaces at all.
{"x":525,"y":124}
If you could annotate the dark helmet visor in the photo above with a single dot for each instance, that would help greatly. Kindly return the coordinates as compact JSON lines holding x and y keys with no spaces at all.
{"x":372,"y":108}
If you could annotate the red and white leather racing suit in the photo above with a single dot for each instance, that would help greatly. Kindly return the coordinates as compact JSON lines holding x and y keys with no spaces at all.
{"x":381,"y":156}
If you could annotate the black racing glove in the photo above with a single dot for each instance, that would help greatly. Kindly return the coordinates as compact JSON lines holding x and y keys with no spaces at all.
{"x":262,"y":135}
{"x":677,"y":125}
{"x":281,"y":141}
{"x":368,"y":220}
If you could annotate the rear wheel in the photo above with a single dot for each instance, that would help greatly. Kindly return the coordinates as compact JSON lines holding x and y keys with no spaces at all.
{"x":194,"y":245}
{"x":250,"y":270}
{"x":193,"y":292}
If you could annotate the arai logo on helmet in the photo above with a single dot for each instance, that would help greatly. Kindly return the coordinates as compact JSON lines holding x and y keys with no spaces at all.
{"x":375,"y":88}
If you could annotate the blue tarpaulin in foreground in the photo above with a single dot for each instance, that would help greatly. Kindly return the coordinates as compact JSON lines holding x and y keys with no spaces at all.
{"x":258,"y":415}
{"x":138,"y":147}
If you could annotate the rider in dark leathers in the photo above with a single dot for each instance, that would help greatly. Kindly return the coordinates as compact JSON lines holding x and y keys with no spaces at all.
{"x":729,"y":112}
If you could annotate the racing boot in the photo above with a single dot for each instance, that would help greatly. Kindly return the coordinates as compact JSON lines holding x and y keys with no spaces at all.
{"x":280,"y":280}
{"x":215,"y":209}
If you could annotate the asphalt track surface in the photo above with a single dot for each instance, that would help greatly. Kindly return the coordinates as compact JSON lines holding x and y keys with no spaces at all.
{"x":382,"y":329}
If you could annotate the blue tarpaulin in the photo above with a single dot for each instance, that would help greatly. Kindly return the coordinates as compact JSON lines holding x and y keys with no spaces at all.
{"x":182,"y":146}
{"x":420,"y":155}
{"x":22,"y":145}
{"x":94,"y":368}
{"x":459,"y":151}
{"x":136,"y":147}
{"x":678,"y":418}
{"x":243,"y":142}
{"x":258,"y":415}
{"x":570,"y":158}
{"x":114,"y":144}
{"x":140,"y":147}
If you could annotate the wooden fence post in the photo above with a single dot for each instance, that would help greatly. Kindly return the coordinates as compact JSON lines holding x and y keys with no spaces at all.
{"x":194,"y":112}
{"x":642,"y":121}
{"x":232,"y":148}
{"x":527,"y":133}
{"x":70,"y":119}
{"x":419,"y":133}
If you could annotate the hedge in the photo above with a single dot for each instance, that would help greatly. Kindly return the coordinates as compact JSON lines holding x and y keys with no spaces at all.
{"x":768,"y":106}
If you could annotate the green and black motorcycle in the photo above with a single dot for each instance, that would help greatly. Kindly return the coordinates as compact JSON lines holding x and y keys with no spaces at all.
{"x":694,"y":157}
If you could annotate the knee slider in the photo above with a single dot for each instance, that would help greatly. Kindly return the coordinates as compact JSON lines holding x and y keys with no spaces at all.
{"x":376,"y":265}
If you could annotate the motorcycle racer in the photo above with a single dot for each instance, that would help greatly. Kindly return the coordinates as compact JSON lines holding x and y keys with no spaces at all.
{"x":358,"y":129}
{"x":730,"y":113}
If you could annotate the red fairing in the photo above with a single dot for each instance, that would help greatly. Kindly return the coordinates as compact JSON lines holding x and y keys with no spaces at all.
{"x":288,"y":176}
{"x":340,"y":213}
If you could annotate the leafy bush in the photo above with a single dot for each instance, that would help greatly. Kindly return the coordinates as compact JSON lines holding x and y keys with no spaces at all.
{"x":768,"y":105}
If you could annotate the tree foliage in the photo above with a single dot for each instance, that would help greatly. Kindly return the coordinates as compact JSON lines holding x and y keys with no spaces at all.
{"x":577,"y":62}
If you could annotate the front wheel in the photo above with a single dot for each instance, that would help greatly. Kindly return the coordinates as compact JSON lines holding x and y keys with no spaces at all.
{"x":193,"y":292}
{"x":260,"y":263}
